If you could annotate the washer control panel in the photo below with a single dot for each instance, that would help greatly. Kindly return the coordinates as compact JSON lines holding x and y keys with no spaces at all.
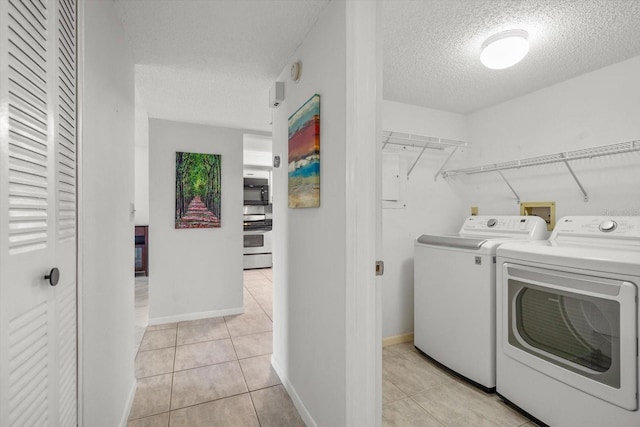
{"x":622,"y":227}
{"x":502,"y":225}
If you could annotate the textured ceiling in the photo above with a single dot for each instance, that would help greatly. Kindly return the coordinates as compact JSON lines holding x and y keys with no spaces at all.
{"x":432,"y":47}
{"x":213,"y":61}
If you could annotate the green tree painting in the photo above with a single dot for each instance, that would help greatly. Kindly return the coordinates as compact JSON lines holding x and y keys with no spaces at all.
{"x":198,"y":190}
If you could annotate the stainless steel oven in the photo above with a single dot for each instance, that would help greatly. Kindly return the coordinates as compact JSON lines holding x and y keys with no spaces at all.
{"x":257,"y":249}
{"x":257,"y":237}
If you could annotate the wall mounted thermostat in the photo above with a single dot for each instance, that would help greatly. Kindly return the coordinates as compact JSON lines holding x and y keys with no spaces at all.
{"x":295,"y":71}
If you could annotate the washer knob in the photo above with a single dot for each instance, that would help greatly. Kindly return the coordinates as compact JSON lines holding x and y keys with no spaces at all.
{"x":608,"y":225}
{"x":492,"y":222}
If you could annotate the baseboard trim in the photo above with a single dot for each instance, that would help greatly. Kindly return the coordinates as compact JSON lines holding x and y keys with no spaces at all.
{"x":397,"y":339}
{"x":195,"y":316}
{"x":127,"y":409}
{"x":302,"y":410}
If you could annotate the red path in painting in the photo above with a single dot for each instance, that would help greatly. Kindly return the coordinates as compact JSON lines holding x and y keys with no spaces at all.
{"x":198,"y":216}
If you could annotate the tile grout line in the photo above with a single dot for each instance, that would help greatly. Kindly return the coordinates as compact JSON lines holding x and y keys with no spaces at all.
{"x":263,"y":311}
{"x":198,"y":404}
{"x":255,"y":411}
{"x":173,"y":373}
{"x":244,"y":378}
{"x":262,"y":272}
{"x":140,"y":345}
{"x":259,"y":305}
{"x":146,"y":416}
{"x":426,"y":410}
{"x":253,"y":405}
{"x":238,"y":360}
{"x":224,"y":318}
{"x":240,"y":365}
{"x":201,"y":342}
{"x":269,"y":386}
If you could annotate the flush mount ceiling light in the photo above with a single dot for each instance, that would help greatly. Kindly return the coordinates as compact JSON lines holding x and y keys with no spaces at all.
{"x":504,"y":49}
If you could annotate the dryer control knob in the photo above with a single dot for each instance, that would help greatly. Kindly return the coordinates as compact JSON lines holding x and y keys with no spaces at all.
{"x":492,"y":222}
{"x":608,"y":225}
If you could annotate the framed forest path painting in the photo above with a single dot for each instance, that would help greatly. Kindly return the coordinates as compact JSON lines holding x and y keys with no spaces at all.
{"x":198,"y":196}
{"x":304,"y":155}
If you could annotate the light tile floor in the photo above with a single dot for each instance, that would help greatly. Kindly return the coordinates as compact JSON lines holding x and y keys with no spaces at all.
{"x":417,"y":392}
{"x":217,"y":372}
{"x":212,"y":372}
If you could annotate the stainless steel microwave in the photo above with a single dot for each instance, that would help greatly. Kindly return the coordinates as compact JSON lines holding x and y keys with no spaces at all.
{"x":256,"y":191}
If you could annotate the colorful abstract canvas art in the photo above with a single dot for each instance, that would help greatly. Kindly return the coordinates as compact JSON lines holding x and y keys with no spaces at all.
{"x":304,"y":155}
{"x":198,"y":195}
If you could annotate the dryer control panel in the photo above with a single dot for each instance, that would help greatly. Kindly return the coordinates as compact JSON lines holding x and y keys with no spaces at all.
{"x":598,"y":227}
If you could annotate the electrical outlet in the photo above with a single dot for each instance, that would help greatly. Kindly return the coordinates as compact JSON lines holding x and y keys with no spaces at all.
{"x":474,"y":210}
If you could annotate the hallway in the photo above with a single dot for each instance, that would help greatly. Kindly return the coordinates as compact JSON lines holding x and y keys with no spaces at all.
{"x":217,"y":372}
{"x":214,"y":372}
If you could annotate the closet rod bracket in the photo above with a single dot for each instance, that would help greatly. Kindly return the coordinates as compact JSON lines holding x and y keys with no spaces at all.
{"x":417,"y":160}
{"x":507,"y":182}
{"x":386,"y":142}
{"x":575,"y":178}
{"x":435,"y":177}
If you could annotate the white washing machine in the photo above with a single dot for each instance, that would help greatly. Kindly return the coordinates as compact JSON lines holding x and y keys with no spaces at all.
{"x":454,"y":293}
{"x":567,"y":323}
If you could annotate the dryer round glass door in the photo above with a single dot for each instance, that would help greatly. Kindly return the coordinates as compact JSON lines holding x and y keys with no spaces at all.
{"x":582,"y":331}
{"x":575,"y":328}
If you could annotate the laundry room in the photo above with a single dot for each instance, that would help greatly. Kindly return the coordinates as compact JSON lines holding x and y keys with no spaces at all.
{"x":587,"y":110}
{"x":467,"y":152}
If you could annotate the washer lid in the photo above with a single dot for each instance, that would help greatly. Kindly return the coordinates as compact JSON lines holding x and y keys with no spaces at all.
{"x":452,"y":241}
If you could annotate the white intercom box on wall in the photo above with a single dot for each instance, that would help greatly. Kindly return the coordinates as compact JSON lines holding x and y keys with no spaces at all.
{"x":276,"y":94}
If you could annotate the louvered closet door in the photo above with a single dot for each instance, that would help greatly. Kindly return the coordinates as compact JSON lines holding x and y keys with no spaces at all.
{"x":38,"y":340}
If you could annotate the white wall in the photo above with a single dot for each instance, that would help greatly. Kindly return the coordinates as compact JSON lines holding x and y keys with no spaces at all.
{"x":141,"y":163}
{"x":598,"y":108}
{"x":428,"y":206}
{"x":198,"y":272}
{"x":106,"y":283}
{"x":309,"y":244}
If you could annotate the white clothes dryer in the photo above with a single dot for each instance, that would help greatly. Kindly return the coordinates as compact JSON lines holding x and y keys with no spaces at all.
{"x":454,"y":293}
{"x":567,"y":323}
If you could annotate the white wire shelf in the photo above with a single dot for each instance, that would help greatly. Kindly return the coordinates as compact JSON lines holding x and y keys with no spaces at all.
{"x":407,"y":140}
{"x":586,"y":153}
{"x":564,"y":157}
